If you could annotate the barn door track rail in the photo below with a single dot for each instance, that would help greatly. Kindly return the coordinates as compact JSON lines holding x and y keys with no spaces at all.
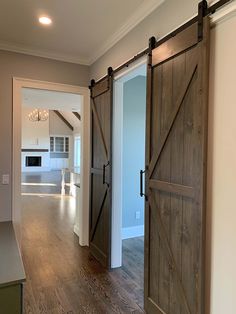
{"x":203,"y":10}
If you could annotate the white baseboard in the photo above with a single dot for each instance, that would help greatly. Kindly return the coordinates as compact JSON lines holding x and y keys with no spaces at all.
{"x":35,"y":169}
{"x":76,"y":230}
{"x":132,"y":232}
{"x":82,"y":241}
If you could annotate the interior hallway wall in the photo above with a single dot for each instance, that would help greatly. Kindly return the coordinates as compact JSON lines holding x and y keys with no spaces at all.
{"x":134,"y":115}
{"x":20,"y":65}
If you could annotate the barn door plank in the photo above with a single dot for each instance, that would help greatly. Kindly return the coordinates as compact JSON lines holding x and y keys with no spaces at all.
{"x":97,"y":217}
{"x":169,"y":259}
{"x":176,"y":146}
{"x":171,"y":120}
{"x":177,"y":143}
{"x":98,"y":127}
{"x":100,"y":174}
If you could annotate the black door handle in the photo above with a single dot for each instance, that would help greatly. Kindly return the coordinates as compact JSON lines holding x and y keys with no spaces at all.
{"x":141,"y":184}
{"x":104,"y":174}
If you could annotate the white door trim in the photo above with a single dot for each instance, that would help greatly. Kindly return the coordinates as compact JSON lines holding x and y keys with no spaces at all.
{"x":117,"y":166}
{"x":83,"y":218}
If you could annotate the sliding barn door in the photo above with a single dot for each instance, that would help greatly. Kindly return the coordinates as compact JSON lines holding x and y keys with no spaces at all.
{"x":100,"y":188}
{"x":176,"y":172}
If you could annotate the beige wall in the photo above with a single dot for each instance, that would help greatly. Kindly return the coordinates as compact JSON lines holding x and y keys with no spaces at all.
{"x":13,"y":64}
{"x":34,"y":134}
{"x":222,"y":169}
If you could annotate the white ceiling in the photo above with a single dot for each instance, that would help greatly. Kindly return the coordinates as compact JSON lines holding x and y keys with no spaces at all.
{"x":82,"y":30}
{"x":51,"y":100}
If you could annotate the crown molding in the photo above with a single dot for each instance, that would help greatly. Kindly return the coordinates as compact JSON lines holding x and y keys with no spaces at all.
{"x":7,"y":46}
{"x":145,"y":9}
{"x":138,"y":16}
{"x":224,"y":13}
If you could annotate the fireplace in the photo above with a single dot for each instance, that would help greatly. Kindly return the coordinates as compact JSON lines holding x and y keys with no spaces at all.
{"x":33,"y":161}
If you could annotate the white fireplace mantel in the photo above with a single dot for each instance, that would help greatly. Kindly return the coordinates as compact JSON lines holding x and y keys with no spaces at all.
{"x":45,"y":163}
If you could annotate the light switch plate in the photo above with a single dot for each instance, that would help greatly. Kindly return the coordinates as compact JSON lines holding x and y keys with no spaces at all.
{"x":5,"y":179}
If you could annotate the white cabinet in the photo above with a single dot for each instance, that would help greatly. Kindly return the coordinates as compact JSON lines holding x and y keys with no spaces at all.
{"x":59,"y":144}
{"x":59,"y":152}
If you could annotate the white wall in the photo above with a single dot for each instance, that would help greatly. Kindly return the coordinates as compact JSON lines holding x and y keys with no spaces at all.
{"x":221,"y":226}
{"x":35,"y":135}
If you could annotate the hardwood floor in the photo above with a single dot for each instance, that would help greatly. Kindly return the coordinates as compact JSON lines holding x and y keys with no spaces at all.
{"x":63,"y":277}
{"x":133,"y":260}
{"x":43,"y":182}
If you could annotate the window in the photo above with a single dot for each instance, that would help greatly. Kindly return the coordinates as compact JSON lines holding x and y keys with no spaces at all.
{"x":59,"y":144}
{"x":77,"y":152}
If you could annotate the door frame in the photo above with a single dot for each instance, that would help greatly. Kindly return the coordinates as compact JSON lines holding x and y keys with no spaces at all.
{"x":117,"y":166}
{"x":83,"y":216}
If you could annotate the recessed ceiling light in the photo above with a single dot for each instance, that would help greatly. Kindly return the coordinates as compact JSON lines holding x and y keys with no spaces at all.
{"x":45,"y":20}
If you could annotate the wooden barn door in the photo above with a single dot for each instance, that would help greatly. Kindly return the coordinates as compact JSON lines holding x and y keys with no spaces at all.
{"x":176,"y":140}
{"x":100,"y":179}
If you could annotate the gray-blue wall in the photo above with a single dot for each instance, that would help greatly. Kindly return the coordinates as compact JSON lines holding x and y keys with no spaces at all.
{"x":134,"y":113}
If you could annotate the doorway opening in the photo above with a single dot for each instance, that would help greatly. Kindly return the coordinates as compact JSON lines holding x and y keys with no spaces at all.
{"x":52,"y":225}
{"x":128,"y":160}
{"x":50,"y":176}
{"x":47,"y":118}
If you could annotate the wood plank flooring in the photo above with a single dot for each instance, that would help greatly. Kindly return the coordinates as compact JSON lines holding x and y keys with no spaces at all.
{"x":63,"y":277}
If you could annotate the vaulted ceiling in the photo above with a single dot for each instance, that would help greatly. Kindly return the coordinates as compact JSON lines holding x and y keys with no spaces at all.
{"x":81,"y":30}
{"x":67,"y":104}
{"x":51,"y":100}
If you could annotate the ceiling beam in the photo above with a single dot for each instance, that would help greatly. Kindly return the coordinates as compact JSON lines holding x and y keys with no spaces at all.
{"x":63,"y":119}
{"x":77,"y":115}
